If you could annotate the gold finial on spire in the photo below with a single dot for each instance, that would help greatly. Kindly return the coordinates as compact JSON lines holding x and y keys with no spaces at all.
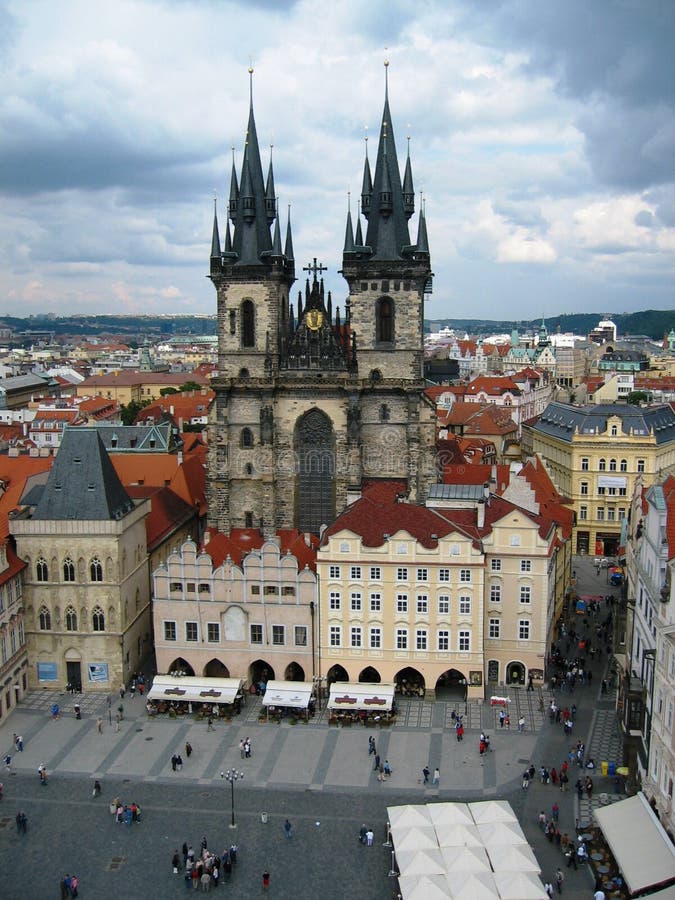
{"x":386,"y":74}
{"x":250,"y":79}
{"x":349,"y":200}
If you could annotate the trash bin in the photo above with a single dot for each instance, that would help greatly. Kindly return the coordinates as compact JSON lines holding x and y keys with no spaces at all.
{"x":264,"y":817}
{"x":603,"y":768}
{"x":612,"y":770}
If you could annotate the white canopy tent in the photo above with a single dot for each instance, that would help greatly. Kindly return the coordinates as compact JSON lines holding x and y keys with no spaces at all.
{"x":190,"y":689}
{"x":474,"y":886}
{"x":515,"y":858}
{"x":295,"y":694}
{"x":486,"y":811}
{"x":425,"y":887}
{"x":639,"y":844}
{"x":497,"y":834}
{"x":519,"y":886}
{"x":348,"y":696}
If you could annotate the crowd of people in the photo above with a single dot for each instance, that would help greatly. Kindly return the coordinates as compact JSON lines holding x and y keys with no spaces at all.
{"x":205,"y":869}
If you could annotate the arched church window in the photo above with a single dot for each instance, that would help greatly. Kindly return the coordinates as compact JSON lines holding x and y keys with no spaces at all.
{"x":68,"y":569}
{"x":247,"y":324}
{"x":95,"y":569}
{"x":246,"y":438}
{"x":71,"y":619}
{"x":384,"y":413}
{"x":315,"y":449}
{"x":98,"y":619}
{"x":41,"y":569}
{"x":45,"y":619}
{"x":384,"y":321}
{"x":233,"y":321}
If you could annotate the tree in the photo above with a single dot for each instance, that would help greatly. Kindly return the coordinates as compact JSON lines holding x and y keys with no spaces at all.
{"x":129,"y":411}
{"x":165,"y":392}
{"x":635,"y":398}
{"x":190,"y":386}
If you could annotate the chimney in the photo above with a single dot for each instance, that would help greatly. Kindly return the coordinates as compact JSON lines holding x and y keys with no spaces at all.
{"x":207,"y":537}
{"x":480,"y":514}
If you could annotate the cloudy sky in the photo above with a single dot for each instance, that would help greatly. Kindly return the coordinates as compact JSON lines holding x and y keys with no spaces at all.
{"x":542,"y":133}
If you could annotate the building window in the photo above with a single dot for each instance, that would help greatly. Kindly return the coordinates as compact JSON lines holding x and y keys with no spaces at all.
{"x":334,"y":573}
{"x":175,"y":586}
{"x":495,"y":565}
{"x":246,"y":439}
{"x":355,"y":573}
{"x":422,"y":604}
{"x":355,"y":601}
{"x":611,"y":491}
{"x":610,"y":514}
{"x":421,"y":639}
{"x":256,"y":634}
{"x":422,"y":574}
{"x":401,"y":574}
{"x":584,"y":464}
{"x":402,"y":603}
{"x":443,"y":604}
{"x":584,"y":488}
{"x":602,"y":491}
{"x":356,"y":636}
{"x":71,"y":619}
{"x":640,"y":465}
{"x":95,"y":569}
{"x":526,"y":565}
{"x":494,"y":628}
{"x":515,"y":540}
{"x":335,"y":636}
{"x":612,"y":465}
{"x":344,"y":547}
{"x":247,"y":324}
{"x":523,"y":629}
{"x":495,"y":593}
{"x":334,"y":600}
{"x":375,"y":602}
{"x":525,"y":593}
{"x":384,"y":321}
{"x":45,"y":619}
{"x":255,"y":590}
{"x":300,"y":635}
{"x":465,"y":606}
{"x":204,"y":587}
{"x":464,"y":641}
{"x":621,"y":512}
{"x":601,"y":513}
{"x":583,"y":512}
{"x":375,"y":638}
{"x":465,"y":576}
{"x":271,"y":590}
{"x":401,"y":638}
{"x":190,"y":631}
{"x":444,"y":575}
{"x":375,"y":573}
{"x":213,"y":632}
{"x":623,"y":466}
{"x":68,"y":569}
{"x":98,"y":619}
{"x":278,"y":635}
{"x":169,"y":631}
{"x":602,"y":465}
{"x":41,"y":570}
{"x":443,"y":640}
{"x":384,"y":413}
{"x":622,"y":492}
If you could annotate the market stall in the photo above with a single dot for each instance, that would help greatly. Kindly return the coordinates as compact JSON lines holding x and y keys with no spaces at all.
{"x":361,"y":702}
{"x":186,"y":694}
{"x":292,"y":698}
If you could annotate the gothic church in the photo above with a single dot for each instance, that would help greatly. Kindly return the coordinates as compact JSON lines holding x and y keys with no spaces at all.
{"x":313,"y":400}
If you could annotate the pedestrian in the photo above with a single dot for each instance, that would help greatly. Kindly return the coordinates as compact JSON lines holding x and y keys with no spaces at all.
{"x":288,"y":829}
{"x":548,"y":887}
{"x":117,"y":721}
{"x":387,"y":769}
{"x":8,"y":762}
{"x":526,"y":780}
{"x":425,"y":773}
{"x":437,"y":776}
{"x":502,"y":716}
{"x":122,"y":692}
{"x":507,"y":722}
{"x":18,"y":822}
{"x":530,"y":685}
{"x":175,"y":862}
{"x":571,"y":857}
{"x":555,"y":812}
{"x":266,"y":880}
{"x":542,"y":820}
{"x":241,"y":748}
{"x":210,"y":725}
{"x":369,"y":837}
{"x":371,"y":745}
{"x":460,"y":732}
{"x":233,"y":853}
{"x":377,"y":762}
{"x":99,"y":725}
{"x":188,"y":749}
{"x":185,"y":852}
{"x":179,"y":762}
{"x":247,"y":748}
{"x":174,"y":762}
{"x":603,"y":686}
{"x":96,"y":791}
{"x":203,"y":846}
{"x":521,"y":724}
{"x":19,"y":744}
{"x":559,"y":878}
{"x":363,"y":831}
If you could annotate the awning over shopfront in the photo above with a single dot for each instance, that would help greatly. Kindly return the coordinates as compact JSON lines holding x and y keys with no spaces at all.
{"x":189,"y":688}
{"x":347,"y":695}
{"x":294,"y":694}
{"x":638,"y":842}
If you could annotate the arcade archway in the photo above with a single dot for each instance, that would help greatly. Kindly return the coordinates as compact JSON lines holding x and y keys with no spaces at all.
{"x":336,"y":673}
{"x":216,"y":669}
{"x":180,"y":666}
{"x":409,"y":682}
{"x":370,"y":675}
{"x":451,"y":685}
{"x":294,"y":672}
{"x":515,"y":673}
{"x":259,"y":673}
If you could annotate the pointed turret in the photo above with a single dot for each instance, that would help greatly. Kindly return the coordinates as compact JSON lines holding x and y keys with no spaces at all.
{"x":349,"y":234}
{"x":358,"y":238}
{"x":215,"y":236}
{"x":276,"y":243}
{"x":234,"y":192}
{"x":228,"y":240}
{"x":367,"y":185}
{"x":288,"y":249}
{"x":387,"y":234}
{"x":408,"y":189}
{"x":422,"y":239}
{"x":270,"y":196}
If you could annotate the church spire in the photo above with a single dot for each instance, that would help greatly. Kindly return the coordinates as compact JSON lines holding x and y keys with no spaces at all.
{"x":270,"y":196}
{"x":422,"y":239}
{"x":215,"y":236}
{"x":276,"y":243}
{"x":367,"y":185}
{"x":288,"y":249}
{"x":349,"y":231}
{"x":234,"y":191}
{"x":408,"y":189}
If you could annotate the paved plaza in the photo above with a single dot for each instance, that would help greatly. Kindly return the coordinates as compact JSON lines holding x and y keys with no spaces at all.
{"x":320,"y":777}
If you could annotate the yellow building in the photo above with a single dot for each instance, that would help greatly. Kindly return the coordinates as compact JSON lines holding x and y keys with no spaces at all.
{"x":432,"y":599}
{"x":594,"y":454}
{"x":125,"y":387}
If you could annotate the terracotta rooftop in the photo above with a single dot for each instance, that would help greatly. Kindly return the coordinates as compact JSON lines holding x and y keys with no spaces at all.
{"x":241,"y":541}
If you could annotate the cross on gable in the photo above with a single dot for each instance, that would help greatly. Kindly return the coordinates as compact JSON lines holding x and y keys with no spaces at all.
{"x":315,"y":268}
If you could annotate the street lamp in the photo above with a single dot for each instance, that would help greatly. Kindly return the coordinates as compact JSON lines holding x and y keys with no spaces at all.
{"x":232,"y":775}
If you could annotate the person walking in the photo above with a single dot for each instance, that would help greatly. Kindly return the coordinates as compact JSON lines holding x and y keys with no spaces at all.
{"x":188,"y":749}
{"x":175,"y":862}
{"x":210,"y":725}
{"x":288,"y":829}
{"x":96,"y":791}
{"x":242,"y":751}
{"x":369,"y":837}
{"x":559,"y":878}
{"x":521,"y":724}
{"x":425,"y":773}
{"x":99,"y":725}
{"x":363,"y":831}
{"x":377,"y":762}
{"x":8,"y":762}
{"x":266,"y":880}
{"x":437,"y":776}
{"x":247,"y":748}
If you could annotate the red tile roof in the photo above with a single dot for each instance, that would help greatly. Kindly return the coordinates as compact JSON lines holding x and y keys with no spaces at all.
{"x":478,"y":474}
{"x":669,"y":494}
{"x":477,"y":418}
{"x":493,"y":386}
{"x":241,"y":541}
{"x":168,"y":512}
{"x":551,"y":503}
{"x":182,"y":407}
{"x":14,"y":472}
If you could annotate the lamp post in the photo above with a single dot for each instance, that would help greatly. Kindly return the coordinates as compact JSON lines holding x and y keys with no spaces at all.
{"x":232,"y":775}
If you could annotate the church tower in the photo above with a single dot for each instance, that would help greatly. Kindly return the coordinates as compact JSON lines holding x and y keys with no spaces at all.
{"x":312,"y":399}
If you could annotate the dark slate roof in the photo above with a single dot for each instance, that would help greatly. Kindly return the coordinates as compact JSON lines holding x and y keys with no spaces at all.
{"x":162,"y":437}
{"x":561,"y":421}
{"x":82,"y":483}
